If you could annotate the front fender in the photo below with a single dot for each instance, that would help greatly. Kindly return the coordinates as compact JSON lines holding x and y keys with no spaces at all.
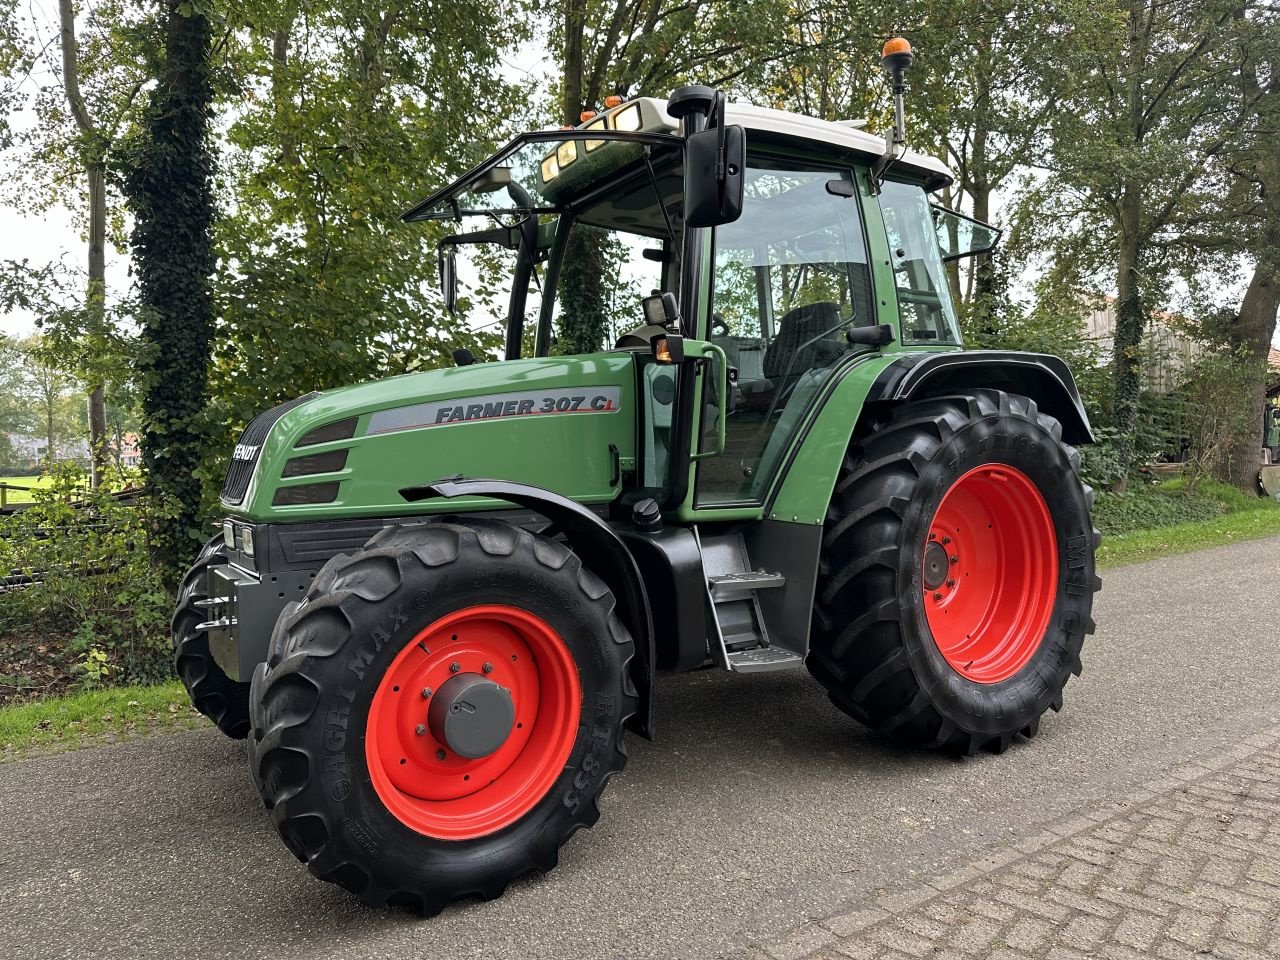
{"x":600,"y":549}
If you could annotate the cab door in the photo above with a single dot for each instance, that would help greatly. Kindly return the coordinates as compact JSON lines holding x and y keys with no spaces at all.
{"x":790,"y":278}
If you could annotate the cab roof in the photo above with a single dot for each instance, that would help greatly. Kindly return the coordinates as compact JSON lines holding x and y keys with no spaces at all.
{"x":795,"y":126}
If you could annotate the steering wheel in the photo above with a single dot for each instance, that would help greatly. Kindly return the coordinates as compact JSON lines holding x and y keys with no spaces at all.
{"x":718,"y":327}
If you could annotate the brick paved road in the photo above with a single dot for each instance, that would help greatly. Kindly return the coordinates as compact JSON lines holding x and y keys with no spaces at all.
{"x":1187,"y":867}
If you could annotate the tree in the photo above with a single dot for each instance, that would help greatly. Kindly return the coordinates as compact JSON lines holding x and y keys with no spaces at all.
{"x":344,"y":115}
{"x":644,"y":47}
{"x":1140,"y":110}
{"x":45,"y":389}
{"x":1249,"y":177}
{"x":169,"y":187}
{"x":98,"y":74}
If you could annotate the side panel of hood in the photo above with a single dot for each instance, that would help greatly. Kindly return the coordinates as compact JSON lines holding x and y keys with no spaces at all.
{"x":555,"y":422}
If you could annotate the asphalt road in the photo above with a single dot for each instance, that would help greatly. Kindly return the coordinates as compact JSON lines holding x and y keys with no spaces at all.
{"x":760,"y":806}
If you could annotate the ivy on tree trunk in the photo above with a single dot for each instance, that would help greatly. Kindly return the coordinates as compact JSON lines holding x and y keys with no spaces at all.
{"x":169,"y":190}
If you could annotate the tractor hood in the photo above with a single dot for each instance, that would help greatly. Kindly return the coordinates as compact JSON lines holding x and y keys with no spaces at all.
{"x":563,"y":423}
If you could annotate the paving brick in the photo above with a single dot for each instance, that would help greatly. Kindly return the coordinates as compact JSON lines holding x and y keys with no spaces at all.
{"x":1185,"y":867}
{"x":847,"y":924}
{"x":1138,"y":930}
{"x":1029,"y":934}
{"x":800,"y":943}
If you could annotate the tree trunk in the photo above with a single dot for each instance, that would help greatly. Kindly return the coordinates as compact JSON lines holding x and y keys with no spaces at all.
{"x":572,"y":64}
{"x":1130,"y":315}
{"x":1130,"y":320}
{"x":95,"y":170}
{"x":50,"y":450}
{"x":97,"y":317}
{"x":169,"y":189}
{"x":1253,"y":333}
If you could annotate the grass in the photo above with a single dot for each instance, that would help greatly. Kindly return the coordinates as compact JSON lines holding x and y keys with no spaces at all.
{"x":22,"y":496}
{"x":1237,"y":517}
{"x":95,"y":716}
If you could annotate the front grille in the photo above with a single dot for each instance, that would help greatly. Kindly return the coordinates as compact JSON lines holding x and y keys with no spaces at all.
{"x":246,"y":453}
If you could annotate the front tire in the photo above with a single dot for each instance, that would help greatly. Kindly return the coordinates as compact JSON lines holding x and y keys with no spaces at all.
{"x":212,"y":692}
{"x":441,"y":713}
{"x":957,"y":574}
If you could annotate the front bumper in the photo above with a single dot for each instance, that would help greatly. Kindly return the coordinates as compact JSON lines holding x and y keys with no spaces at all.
{"x":243,"y":606}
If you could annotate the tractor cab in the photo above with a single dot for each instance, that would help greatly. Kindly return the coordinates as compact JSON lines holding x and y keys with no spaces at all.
{"x":779,"y":287}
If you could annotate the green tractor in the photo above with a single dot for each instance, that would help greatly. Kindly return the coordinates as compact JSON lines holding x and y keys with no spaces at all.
{"x":439,"y":601}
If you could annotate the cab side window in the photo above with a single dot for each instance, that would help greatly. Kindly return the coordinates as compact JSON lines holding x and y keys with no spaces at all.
{"x":791,"y":276}
{"x":924,"y":298}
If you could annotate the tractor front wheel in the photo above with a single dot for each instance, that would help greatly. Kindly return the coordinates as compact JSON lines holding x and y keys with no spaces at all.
{"x":957,"y":573}
{"x":212,"y":692}
{"x":441,"y":712}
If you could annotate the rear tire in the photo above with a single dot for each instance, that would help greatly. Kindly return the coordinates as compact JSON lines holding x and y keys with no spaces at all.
{"x":958,"y":645}
{"x":364,"y":781}
{"x":212,"y":692}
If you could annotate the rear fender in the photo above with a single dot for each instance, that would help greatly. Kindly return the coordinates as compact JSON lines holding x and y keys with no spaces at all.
{"x":1044,"y":378}
{"x":600,"y":549}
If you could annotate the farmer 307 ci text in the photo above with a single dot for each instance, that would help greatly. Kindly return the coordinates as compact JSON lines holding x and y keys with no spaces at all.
{"x":438,"y":602}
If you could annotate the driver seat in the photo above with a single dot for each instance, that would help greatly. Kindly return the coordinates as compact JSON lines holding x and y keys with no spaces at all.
{"x":807,"y":338}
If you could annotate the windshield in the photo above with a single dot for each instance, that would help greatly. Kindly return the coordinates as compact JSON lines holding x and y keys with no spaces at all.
{"x":546,"y":172}
{"x":608,"y":217}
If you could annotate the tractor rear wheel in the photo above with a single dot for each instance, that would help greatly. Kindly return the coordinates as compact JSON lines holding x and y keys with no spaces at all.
{"x":441,"y":712}
{"x":957,"y":574}
{"x":212,"y":692}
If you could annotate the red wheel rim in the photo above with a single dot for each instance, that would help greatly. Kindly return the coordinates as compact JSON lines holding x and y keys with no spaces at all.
{"x":990,"y":573}
{"x":451,"y":797}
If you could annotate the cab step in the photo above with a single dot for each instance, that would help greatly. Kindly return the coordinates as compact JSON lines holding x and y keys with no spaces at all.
{"x":734,"y":583}
{"x":762,"y":659}
{"x":728,"y":584}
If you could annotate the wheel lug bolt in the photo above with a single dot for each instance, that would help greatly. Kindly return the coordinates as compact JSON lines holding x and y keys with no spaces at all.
{"x":487,"y":668}
{"x":937,"y":596}
{"x":455,"y":667}
{"x":955,"y":559}
{"x":951,"y":583}
{"x":945,"y":541}
{"x":420,"y":729}
{"x":426,"y":692}
{"x":440,"y":754}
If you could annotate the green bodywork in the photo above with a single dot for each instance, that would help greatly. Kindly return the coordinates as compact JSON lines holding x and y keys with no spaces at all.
{"x":567,"y":451}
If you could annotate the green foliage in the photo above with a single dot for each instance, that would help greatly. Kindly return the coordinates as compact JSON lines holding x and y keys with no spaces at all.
{"x":97,"y":585}
{"x":169,"y":188}
{"x":1144,"y":507}
{"x":1174,"y":501}
{"x":342,"y":115}
{"x":1218,"y":414}
{"x":583,"y":293}
{"x":1262,"y":520}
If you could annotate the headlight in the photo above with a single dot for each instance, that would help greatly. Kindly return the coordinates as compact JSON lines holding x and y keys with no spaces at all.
{"x":566,"y":153}
{"x":550,"y":169}
{"x":246,"y":540}
{"x":628,"y":118}
{"x":228,"y":534}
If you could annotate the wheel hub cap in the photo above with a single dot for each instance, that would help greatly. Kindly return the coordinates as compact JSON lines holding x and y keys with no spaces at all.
{"x":472,"y":716}
{"x":935,"y":565}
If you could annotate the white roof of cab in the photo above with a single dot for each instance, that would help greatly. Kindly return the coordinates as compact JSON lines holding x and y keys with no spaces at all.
{"x":787,"y":124}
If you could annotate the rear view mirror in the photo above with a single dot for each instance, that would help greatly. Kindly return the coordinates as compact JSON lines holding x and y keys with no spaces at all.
{"x":449,"y":278}
{"x":715,"y":160}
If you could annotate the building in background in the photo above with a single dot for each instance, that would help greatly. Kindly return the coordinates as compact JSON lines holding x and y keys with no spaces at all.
{"x":1168,"y":352}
